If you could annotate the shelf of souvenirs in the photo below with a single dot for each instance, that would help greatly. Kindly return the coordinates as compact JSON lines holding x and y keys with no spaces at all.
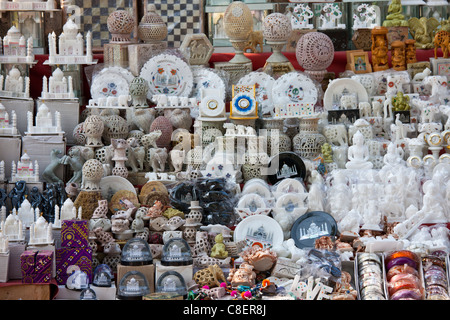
{"x":258,"y":60}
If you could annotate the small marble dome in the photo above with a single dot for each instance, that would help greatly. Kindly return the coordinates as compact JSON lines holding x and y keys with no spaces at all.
{"x":136,"y":252}
{"x":165,"y":125}
{"x":152,"y":27}
{"x":171,"y":282}
{"x":176,"y":252}
{"x":103,"y":276}
{"x":70,"y":29}
{"x":14,"y":73}
{"x":132,"y":286}
{"x":277,"y":27}
{"x":120,"y":25}
{"x":315,"y":51}
{"x":238,"y":21}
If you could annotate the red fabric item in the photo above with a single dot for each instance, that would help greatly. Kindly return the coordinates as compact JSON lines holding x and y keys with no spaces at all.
{"x":258,"y":59}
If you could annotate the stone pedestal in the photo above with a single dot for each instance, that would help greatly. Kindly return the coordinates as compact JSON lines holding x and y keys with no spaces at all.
{"x":115,"y":54}
{"x":236,"y":70}
{"x":339,"y":38}
{"x":362,"y":39}
{"x":138,"y":54}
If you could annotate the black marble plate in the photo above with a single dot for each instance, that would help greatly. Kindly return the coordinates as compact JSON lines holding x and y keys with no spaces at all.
{"x":311,"y":226}
{"x":287,"y":165}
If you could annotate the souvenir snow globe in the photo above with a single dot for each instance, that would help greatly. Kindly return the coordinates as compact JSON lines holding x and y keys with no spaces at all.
{"x":176,"y":252}
{"x":78,"y":280}
{"x":171,"y":281}
{"x":132,"y":286}
{"x":88,"y":294}
{"x":136,"y":252}
{"x":103,"y":276}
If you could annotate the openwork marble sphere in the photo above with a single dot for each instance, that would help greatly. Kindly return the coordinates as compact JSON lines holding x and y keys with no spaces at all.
{"x":93,"y":129}
{"x":152,"y":27}
{"x":315,"y":51}
{"x":92,"y":174}
{"x":120,"y":25}
{"x":277,"y":27}
{"x":116,"y":127}
{"x":238,"y":21}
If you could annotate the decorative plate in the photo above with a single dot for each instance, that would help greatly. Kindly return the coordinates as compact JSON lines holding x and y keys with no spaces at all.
{"x":251,"y":204}
{"x":311,"y":226}
{"x":169,"y":75}
{"x":339,"y":87}
{"x":117,"y":202}
{"x":259,"y":230}
{"x":205,"y":78}
{"x":290,"y":201}
{"x":290,"y":186}
{"x":294,"y":87}
{"x":263,"y":89}
{"x":111,"y":81}
{"x":287,"y":165}
{"x":259,"y":189}
{"x":111,"y":184}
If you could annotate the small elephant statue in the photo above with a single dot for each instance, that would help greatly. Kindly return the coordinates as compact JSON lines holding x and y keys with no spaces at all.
{"x":158,"y":158}
{"x":173,"y":101}
{"x":122,"y":100}
{"x":177,"y":159}
{"x":161,"y":100}
{"x":348,"y":102}
{"x":111,"y":101}
{"x":365,"y":109}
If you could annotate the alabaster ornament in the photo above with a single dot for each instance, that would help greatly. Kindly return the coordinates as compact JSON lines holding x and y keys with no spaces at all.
{"x":358,"y":154}
{"x":152,"y":27}
{"x":92,"y":174}
{"x":115,"y":127}
{"x":315,"y":53}
{"x":238,"y":24}
{"x":93,"y":128}
{"x":120,"y":25}
{"x":164,"y":125}
{"x":120,"y":147}
{"x":395,"y":17}
{"x":276,"y":30}
{"x":138,"y":92}
{"x":308,"y":142}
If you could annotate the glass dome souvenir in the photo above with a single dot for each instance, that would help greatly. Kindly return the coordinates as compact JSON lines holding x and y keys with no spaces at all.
{"x":88,"y":294}
{"x":133,"y":286}
{"x":171,"y":282}
{"x":103,"y":276}
{"x":78,"y":280}
{"x":176,"y":252}
{"x":136,"y":252}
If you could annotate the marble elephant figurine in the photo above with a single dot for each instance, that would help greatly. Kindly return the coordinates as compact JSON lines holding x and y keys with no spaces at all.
{"x":177,"y":159}
{"x":161,"y":100}
{"x":158,"y":158}
{"x":122,"y":100}
{"x":111,"y":101}
{"x":348,"y":102}
{"x":336,"y":134}
{"x":365,"y":109}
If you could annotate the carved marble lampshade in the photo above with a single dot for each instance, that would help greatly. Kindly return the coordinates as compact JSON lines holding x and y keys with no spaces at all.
{"x":238,"y":24}
{"x":277,"y":29}
{"x":120,"y":25}
{"x":152,"y":27}
{"x":315,"y":53}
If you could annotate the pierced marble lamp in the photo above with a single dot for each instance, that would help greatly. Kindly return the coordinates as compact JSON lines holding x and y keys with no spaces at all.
{"x":120,"y":25}
{"x":238,"y":25}
{"x":277,"y":29}
{"x":315,"y":53}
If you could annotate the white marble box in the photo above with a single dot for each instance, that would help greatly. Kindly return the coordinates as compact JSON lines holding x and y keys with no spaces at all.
{"x":4,"y":266}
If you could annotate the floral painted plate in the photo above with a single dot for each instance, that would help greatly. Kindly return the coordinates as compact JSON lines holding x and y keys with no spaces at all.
{"x":259,"y":230}
{"x":294,"y":87}
{"x":111,"y":81}
{"x":169,"y":75}
{"x":205,"y":78}
{"x":263,"y":89}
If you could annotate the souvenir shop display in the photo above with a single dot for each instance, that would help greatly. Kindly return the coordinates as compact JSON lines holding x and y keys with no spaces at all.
{"x":316,"y":167}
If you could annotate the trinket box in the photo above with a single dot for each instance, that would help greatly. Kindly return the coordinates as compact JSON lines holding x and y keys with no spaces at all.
{"x":74,"y":234}
{"x":36,"y":266}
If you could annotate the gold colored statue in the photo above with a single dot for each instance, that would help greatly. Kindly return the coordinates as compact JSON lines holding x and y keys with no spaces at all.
{"x":395,"y":18}
{"x":254,"y":40}
{"x":327,"y":153}
{"x":219,"y":250}
{"x":423,"y":30}
{"x":442,"y":40}
{"x":400,"y":102}
{"x":398,"y":55}
{"x":380,"y":49}
{"x":410,"y":51}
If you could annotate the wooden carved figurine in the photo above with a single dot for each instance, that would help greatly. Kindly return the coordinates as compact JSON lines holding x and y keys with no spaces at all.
{"x":398,"y":56}
{"x":441,"y":39}
{"x":255,"y":40}
{"x":410,"y":51}
{"x":380,"y":49}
